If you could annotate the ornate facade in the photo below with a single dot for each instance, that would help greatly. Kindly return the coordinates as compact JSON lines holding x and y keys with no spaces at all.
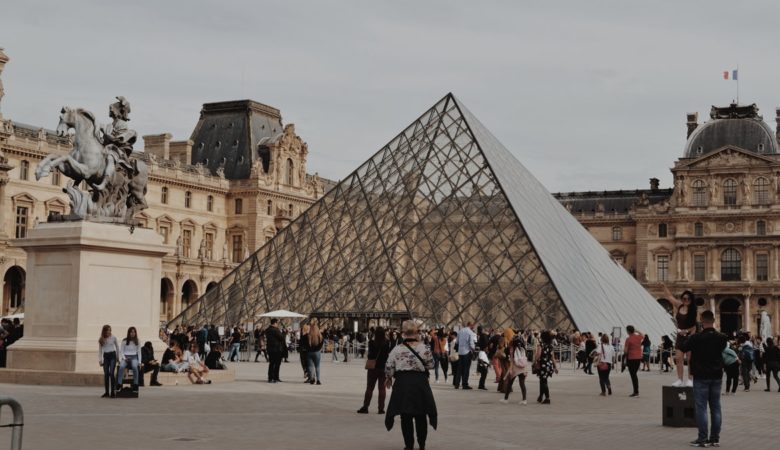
{"x":211,"y":214}
{"x":716,"y":232}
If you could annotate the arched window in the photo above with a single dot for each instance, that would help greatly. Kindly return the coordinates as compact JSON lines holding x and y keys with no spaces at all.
{"x":188,"y":199}
{"x":730,"y":192}
{"x":164,"y":195}
{"x":210,"y":203}
{"x":661,"y":230}
{"x":699,"y":193}
{"x":698,"y":229}
{"x":761,"y":228}
{"x":731,"y":265}
{"x":761,"y":189}
{"x":24,"y":170}
{"x":290,"y":170}
{"x":239,"y":206}
{"x":617,"y":233}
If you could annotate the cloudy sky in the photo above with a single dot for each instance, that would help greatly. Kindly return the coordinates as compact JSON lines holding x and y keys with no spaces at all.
{"x":588,"y":95}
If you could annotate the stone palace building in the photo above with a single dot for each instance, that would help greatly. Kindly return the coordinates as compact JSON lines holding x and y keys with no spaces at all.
{"x":215,"y":197}
{"x":716,"y":232}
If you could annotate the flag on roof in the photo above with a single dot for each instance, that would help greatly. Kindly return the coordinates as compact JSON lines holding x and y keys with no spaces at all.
{"x":730,"y":75}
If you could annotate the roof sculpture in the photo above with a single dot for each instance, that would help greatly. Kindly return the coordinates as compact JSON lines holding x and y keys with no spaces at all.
{"x":445,"y":224}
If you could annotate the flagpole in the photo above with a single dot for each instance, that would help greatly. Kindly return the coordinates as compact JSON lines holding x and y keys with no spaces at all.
{"x":738,"y":77}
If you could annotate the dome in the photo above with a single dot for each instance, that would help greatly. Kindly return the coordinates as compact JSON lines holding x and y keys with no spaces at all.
{"x":734,"y":125}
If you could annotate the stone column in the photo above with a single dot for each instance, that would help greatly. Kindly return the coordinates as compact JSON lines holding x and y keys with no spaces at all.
{"x":717,"y":316}
{"x":746,"y":314}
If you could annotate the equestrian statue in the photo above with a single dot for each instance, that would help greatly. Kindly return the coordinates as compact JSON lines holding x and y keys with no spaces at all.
{"x":103,"y":159}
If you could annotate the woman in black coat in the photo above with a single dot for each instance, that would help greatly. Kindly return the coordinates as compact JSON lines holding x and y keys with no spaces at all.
{"x":378,"y":351}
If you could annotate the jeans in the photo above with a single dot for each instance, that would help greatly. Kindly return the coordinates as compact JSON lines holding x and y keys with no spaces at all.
{"x":707,"y":392}
{"x":109,"y":371}
{"x":633,"y":368}
{"x":234,"y":350}
{"x":372,"y":377}
{"x":604,"y":378}
{"x":520,"y":381}
{"x":444,"y":362}
{"x":746,"y":367}
{"x":314,"y":364}
{"x":464,"y":366}
{"x":132,"y":362}
{"x":732,"y":377}
{"x":436,"y":361}
{"x":407,"y":429}
{"x":274,"y":364}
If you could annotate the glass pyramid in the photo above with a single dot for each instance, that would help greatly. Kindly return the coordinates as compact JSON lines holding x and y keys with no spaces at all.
{"x":445,"y":225}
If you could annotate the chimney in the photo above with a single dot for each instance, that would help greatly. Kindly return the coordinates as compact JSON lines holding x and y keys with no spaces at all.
{"x":182,"y":150}
{"x":654,"y":184}
{"x":158,"y":145}
{"x":693,"y":122}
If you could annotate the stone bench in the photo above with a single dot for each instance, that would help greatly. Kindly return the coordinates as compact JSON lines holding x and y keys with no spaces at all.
{"x":64,"y":378}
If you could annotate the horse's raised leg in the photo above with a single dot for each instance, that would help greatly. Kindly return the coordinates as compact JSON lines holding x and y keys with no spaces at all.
{"x":44,"y":167}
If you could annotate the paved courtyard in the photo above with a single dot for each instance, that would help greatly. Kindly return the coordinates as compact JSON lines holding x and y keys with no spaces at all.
{"x":251,"y":413}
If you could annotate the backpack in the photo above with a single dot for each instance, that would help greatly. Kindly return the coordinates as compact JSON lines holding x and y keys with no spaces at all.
{"x":519,"y":358}
{"x":746,"y":354}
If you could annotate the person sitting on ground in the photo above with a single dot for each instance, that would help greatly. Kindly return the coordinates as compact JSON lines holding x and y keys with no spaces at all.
{"x":197,"y":370}
{"x":179,"y":363}
{"x":167,"y":356}
{"x":214,"y":358}
{"x":149,"y":364}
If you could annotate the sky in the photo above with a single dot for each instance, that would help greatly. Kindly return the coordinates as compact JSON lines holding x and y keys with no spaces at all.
{"x":587,"y":95}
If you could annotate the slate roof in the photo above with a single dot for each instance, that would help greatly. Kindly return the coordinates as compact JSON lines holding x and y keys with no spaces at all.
{"x":614,"y":201}
{"x":734,"y":125}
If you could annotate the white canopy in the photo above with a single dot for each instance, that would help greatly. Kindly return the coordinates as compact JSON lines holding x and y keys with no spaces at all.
{"x":283,"y":313}
{"x":19,"y":316}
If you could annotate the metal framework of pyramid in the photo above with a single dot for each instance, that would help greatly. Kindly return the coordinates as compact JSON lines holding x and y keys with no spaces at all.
{"x":442,"y":223}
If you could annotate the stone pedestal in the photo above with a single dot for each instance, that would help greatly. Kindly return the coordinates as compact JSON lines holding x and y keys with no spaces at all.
{"x":80,"y":276}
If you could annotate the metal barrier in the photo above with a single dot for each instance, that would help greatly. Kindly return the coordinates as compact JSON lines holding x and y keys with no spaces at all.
{"x":18,"y":421}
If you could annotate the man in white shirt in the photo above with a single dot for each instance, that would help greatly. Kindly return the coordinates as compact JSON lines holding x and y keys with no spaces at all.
{"x":467,"y":343}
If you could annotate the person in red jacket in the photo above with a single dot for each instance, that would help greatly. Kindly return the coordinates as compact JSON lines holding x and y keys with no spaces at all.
{"x":632,"y":352}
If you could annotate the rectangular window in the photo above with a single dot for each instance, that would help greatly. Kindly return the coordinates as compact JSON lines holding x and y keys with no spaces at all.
{"x":21,"y":222}
{"x":698,"y":267}
{"x":164,"y":232}
{"x":24,"y":169}
{"x":186,"y":238}
{"x":698,"y":229}
{"x":762,"y":267}
{"x":663,"y":267}
{"x":55,"y":178}
{"x":270,"y":208}
{"x":617,"y":233}
{"x":238,"y":248}
{"x":239,"y":206}
{"x":209,"y":246}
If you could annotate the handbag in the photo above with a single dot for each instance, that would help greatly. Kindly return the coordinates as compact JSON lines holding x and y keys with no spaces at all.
{"x":602,"y":365}
{"x":454,"y":357}
{"x":370,"y":364}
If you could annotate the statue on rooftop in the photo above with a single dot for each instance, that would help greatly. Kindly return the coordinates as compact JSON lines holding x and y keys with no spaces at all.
{"x":103,"y":157}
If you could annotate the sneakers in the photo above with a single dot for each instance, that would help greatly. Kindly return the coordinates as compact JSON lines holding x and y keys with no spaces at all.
{"x":504,"y":401}
{"x":635,"y":394}
{"x":698,"y":443}
{"x":523,"y":402}
{"x":714,"y":443}
{"x":678,"y":383}
{"x":688,"y":383}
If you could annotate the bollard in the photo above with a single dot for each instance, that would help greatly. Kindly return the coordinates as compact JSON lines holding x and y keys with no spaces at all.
{"x":18,"y":421}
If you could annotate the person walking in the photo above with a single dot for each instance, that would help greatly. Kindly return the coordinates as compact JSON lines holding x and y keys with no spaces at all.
{"x":409,"y":365}
{"x":545,"y":366}
{"x":303,"y":352}
{"x":518,"y":363}
{"x":275,"y":342}
{"x":707,"y":367}
{"x":313,"y":355}
{"x":590,"y":347}
{"x":647,"y":348}
{"x":633,"y":356}
{"x":746,"y":360}
{"x":258,"y":336}
{"x":439,"y":348}
{"x":467,"y":343}
{"x":666,"y":353}
{"x":453,"y":358}
{"x":235,"y":345}
{"x":606,"y":354}
{"x":108,"y":349}
{"x":378,"y":352}
{"x":131,"y":357}
{"x":771,"y":363}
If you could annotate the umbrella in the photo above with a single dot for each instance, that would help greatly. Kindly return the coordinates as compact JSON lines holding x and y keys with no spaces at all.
{"x":283,"y":313}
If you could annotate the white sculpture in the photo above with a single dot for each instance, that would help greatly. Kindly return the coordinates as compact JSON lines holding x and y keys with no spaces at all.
{"x":766,"y":326}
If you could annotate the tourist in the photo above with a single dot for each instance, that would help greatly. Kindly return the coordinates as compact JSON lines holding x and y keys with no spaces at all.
{"x":492,"y":348}
{"x":303,"y":352}
{"x":647,"y":348}
{"x":439,"y":349}
{"x":518,"y":363}
{"x":707,"y":367}
{"x":214,"y":358}
{"x":235,"y":345}
{"x":213,"y":336}
{"x":179,"y":362}
{"x":685,"y":317}
{"x":544,"y":366}
{"x":746,"y":360}
{"x":149,"y":364}
{"x":467,"y":343}
{"x":731,"y":364}
{"x":632,"y":353}
{"x":275,"y":344}
{"x":483,"y":363}
{"x":315,"y":348}
{"x":258,"y":335}
{"x":666,"y":353}
{"x":131,"y":357}
{"x":590,"y":348}
{"x":606,"y":354}
{"x":771,"y":363}
{"x":502,"y":356}
{"x":197,"y":370}
{"x":345,"y":345}
{"x":378,"y":352}
{"x":201,"y":337}
{"x":409,"y":364}
{"x":453,"y":358}
{"x":108,"y":349}
{"x":286,"y":341}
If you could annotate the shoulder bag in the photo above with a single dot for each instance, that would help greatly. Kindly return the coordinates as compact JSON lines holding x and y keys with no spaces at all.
{"x":427,"y":372}
{"x":602,"y":365}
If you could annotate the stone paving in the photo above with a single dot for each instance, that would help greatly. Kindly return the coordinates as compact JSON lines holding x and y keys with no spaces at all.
{"x":251,"y":413}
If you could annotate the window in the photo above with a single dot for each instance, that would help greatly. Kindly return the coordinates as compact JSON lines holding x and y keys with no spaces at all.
{"x":24,"y":170}
{"x":290,"y":172}
{"x":730,"y":192}
{"x":238,"y":248}
{"x":290,"y":210}
{"x":761,"y":228}
{"x":761,"y":189}
{"x":731,"y":265}
{"x":663,"y":267}
{"x":55,"y":177}
{"x":762,"y":267}
{"x":188,"y":199}
{"x":662,"y":230}
{"x":209,"y":246}
{"x":21,"y":222}
{"x":210,"y":203}
{"x":270,"y":208}
{"x":699,"y":193}
{"x":186,"y":242}
{"x":164,"y":232}
{"x":698,"y":267}
{"x":698,"y":229}
{"x":164,"y":195}
{"x":617,"y":233}
{"x":239,"y":207}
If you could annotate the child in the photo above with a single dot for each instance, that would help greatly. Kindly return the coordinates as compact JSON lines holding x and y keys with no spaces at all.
{"x":482,"y":367}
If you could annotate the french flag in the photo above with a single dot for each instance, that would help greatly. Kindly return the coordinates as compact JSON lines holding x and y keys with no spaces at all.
{"x":732,"y":75}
